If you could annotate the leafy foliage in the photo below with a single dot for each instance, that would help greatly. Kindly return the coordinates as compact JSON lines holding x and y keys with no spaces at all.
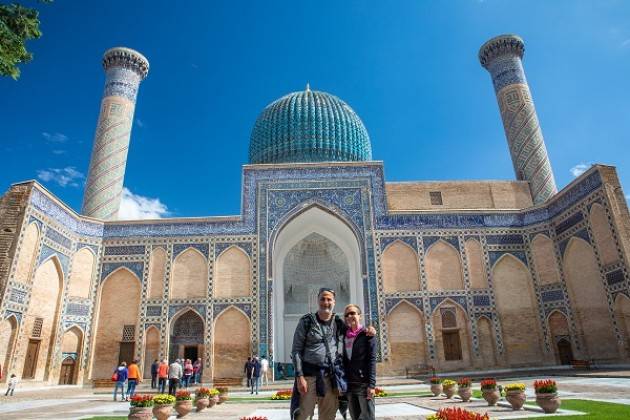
{"x":161,"y":399}
{"x":454,"y":413}
{"x":546,"y":386}
{"x":142,"y":401}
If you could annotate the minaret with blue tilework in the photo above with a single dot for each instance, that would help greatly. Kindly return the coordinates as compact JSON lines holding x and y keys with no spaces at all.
{"x":124,"y":70}
{"x":501,"y":56}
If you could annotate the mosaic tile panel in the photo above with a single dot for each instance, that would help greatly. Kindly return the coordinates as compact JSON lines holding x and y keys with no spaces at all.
{"x":110,"y":267}
{"x":124,"y":250}
{"x":77,"y":309}
{"x":615,"y":277}
{"x":179,"y":248}
{"x":57,"y":237}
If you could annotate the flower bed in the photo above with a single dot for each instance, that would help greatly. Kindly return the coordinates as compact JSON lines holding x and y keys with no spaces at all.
{"x":464,"y":382}
{"x":183,"y":396}
{"x":380,"y":392}
{"x":283,"y":394}
{"x":488,"y":384}
{"x":453,"y":413}
{"x":446,"y":383}
{"x":546,"y":386}
{"x":160,"y":399}
{"x":254,"y":418}
{"x":515,"y":387}
{"x":435,"y":380}
{"x":142,"y":401}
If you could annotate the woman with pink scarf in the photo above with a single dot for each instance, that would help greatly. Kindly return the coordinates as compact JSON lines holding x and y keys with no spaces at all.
{"x":359,"y":358}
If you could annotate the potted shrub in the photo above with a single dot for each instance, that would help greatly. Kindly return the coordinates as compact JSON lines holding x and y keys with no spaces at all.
{"x":547,"y":395}
{"x":436,"y":386}
{"x":162,"y":406}
{"x":380,"y":392}
{"x":489,"y":391}
{"x":515,"y":395}
{"x":223,"y":394}
{"x":202,"y":398}
{"x":464,"y":389}
{"x":183,"y":403}
{"x":214,"y":397}
{"x":448,"y":386}
{"x":140,"y":407}
{"x":454,"y":413}
{"x":283,"y":394}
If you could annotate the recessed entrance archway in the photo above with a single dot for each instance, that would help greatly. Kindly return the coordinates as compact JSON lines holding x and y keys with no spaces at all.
{"x":314,"y":249}
{"x":187,"y":336}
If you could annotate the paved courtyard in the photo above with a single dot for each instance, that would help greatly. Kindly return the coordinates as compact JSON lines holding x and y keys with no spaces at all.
{"x":78,"y":403}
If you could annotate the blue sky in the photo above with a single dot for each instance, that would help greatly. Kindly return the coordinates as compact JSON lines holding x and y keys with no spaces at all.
{"x":408,"y":68}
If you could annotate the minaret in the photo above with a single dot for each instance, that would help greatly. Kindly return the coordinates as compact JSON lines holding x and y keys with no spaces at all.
{"x":501,"y":56}
{"x":124,"y":70}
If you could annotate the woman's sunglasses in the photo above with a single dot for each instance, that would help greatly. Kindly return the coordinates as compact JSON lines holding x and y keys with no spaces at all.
{"x":350,"y":314}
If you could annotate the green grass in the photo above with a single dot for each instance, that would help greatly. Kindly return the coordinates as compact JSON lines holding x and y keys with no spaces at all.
{"x":267,"y":399}
{"x":595,"y":410}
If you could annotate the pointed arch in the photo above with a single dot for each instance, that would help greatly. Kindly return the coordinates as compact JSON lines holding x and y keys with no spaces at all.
{"x":560,"y":334}
{"x":231,"y":344}
{"x":476,"y":270}
{"x":399,"y":263}
{"x":8,"y":334}
{"x":232,"y":274}
{"x":151,"y":348}
{"x":487,"y":342}
{"x":81,"y":274}
{"x":157,"y":272}
{"x":119,"y":306}
{"x":28,"y":251}
{"x":71,"y":346}
{"x":443,"y":266}
{"x":589,"y":300}
{"x":545,"y":260}
{"x":451,"y":334}
{"x":603,"y":235}
{"x":517,"y":309}
{"x":406,"y":336}
{"x":622,"y":314}
{"x":190,"y":275}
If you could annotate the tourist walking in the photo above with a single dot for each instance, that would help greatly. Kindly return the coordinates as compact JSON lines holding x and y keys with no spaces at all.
{"x":120,"y":376}
{"x":154,"y":373}
{"x":175,"y":374}
{"x":248,"y":371}
{"x":162,"y":376}
{"x":133,"y":378}
{"x":188,"y":372}
{"x":255,"y":381}
{"x":11,"y":384}
{"x":264,"y":371}
{"x":197,"y":368}
{"x":359,"y":360}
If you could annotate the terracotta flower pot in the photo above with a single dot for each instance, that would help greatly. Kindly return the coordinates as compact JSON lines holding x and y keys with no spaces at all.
{"x":436,"y":389}
{"x":449,"y":391}
{"x":548,"y":402}
{"x":162,"y":411}
{"x":140,"y":413}
{"x":223,"y":397}
{"x":183,"y":407}
{"x":464,"y":393}
{"x":516,"y":399}
{"x":214,"y":400}
{"x":491,"y":396}
{"x":202,"y":404}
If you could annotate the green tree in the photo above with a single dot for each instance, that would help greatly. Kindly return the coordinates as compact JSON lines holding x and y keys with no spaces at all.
{"x":18,"y":24}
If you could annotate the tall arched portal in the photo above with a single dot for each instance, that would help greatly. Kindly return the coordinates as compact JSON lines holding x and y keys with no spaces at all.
{"x":187,"y":337}
{"x":315,"y":249}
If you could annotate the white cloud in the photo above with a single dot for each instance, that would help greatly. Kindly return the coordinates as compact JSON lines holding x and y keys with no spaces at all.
{"x":64,"y":177}
{"x":625,"y":43}
{"x":135,"y":207}
{"x":579,"y":169}
{"x":55,"y":137}
{"x":139,"y":122}
{"x":58,"y":152}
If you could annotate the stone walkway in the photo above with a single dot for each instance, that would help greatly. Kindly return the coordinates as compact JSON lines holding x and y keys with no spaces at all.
{"x":78,"y":403}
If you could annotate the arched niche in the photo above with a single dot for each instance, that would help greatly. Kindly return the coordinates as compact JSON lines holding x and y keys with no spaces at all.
{"x":28,"y":250}
{"x":622,"y":314}
{"x":231,"y":344}
{"x":487,"y":342}
{"x":443,"y":267}
{"x":518,"y":311}
{"x":232,"y":276}
{"x":407,"y":342}
{"x":313,"y":220}
{"x":151,"y":349}
{"x":71,"y":345}
{"x":589,"y":300}
{"x":157,"y":272}
{"x":476,"y":270}
{"x":399,"y":263}
{"x":81,"y":274}
{"x":190,"y":275}
{"x":545,"y":260}
{"x":451,"y":334}
{"x":8,"y":332}
{"x":560,"y":337}
{"x":118,"y":314}
{"x":187,"y":335}
{"x":603,"y":235}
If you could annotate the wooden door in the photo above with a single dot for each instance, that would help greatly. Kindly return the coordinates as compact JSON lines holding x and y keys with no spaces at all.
{"x":30,"y":363}
{"x":66,"y":377}
{"x":126,"y":352}
{"x":565,"y":352}
{"x":452,"y":345}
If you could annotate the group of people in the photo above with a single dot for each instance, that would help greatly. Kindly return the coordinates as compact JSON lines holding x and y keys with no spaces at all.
{"x":256,"y":371}
{"x":180,"y":373}
{"x":319,"y":342}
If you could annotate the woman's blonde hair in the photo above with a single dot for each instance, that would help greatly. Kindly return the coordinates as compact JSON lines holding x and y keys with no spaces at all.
{"x":352,"y":305}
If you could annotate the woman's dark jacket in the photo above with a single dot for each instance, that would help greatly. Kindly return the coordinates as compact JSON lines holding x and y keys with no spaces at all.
{"x":361,"y":368}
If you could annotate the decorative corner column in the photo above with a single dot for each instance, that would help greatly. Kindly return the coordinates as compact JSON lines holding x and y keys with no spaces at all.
{"x":124,"y":70}
{"x":501,"y":56}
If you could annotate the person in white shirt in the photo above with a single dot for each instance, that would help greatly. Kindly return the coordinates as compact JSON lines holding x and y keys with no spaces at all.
{"x":264,"y":371}
{"x":12,"y":383}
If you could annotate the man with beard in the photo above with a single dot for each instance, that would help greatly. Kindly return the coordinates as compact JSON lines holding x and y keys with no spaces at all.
{"x":312,"y":369}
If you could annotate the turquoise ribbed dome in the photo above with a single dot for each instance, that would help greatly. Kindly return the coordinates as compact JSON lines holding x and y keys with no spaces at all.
{"x":309,"y":126}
